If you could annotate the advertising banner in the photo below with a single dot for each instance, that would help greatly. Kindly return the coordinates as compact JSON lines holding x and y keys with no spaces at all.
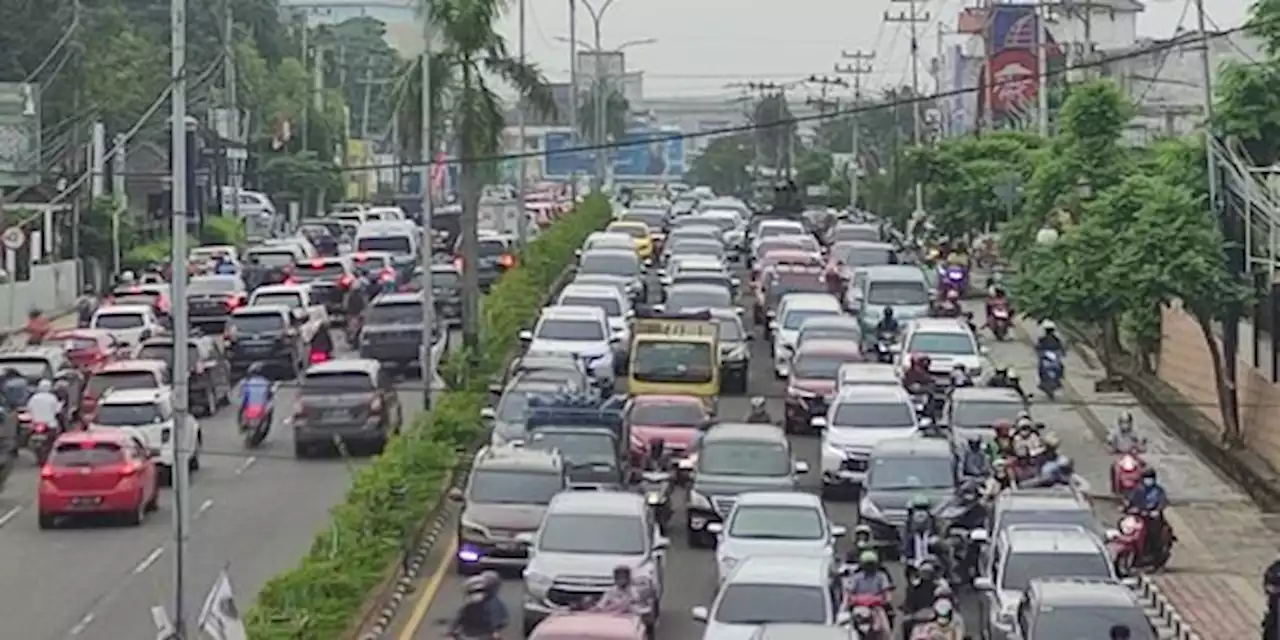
{"x":650,"y":154}
{"x":561,"y":163}
{"x":1012,"y":39}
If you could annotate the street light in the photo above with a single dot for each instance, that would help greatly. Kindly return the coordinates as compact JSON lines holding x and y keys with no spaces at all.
{"x":590,"y":47}
{"x":1047,"y":236}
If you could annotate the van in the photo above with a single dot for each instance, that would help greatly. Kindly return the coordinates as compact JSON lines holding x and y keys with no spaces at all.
{"x":397,"y":237}
{"x":252,"y":203}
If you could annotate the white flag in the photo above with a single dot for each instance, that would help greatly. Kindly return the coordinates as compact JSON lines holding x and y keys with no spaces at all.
{"x":220,"y":618}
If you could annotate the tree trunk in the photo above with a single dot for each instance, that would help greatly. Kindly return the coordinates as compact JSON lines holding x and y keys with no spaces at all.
{"x":1231,"y":434}
{"x":1110,"y":346}
{"x":469,"y":193}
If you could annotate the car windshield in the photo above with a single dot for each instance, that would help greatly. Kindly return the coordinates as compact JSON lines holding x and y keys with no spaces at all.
{"x":680,"y":298}
{"x":513,"y":487}
{"x":673,"y":361}
{"x":897,"y":294}
{"x":395,"y":313}
{"x":29,"y":368}
{"x":949,"y":343}
{"x":1078,"y":517}
{"x":611,"y":306}
{"x":76,"y":454}
{"x":850,"y":333}
{"x":284,"y":298}
{"x":856,"y":256}
{"x":855,"y":233}
{"x":445,"y":279}
{"x":582,"y":533}
{"x":251,"y":323}
{"x":911,"y":472}
{"x":127,"y":415}
{"x":1021,"y":568}
{"x":116,"y":321}
{"x":730,"y":329}
{"x":781,"y":285}
{"x":577,"y":447}
{"x":970,"y":413}
{"x":491,"y":248}
{"x":796,"y":317}
{"x":667,"y":414}
{"x":776,"y":230}
{"x":777,"y":523}
{"x":513,"y":407}
{"x":612,"y":263}
{"x":819,"y":366}
{"x":396,"y":245}
{"x":566,"y":329}
{"x":723,"y":222}
{"x":758,"y":604}
{"x":895,"y":415}
{"x":330,"y":382}
{"x":322,"y":271}
{"x":201,"y":286}
{"x":271,"y":258}
{"x":744,"y":458}
{"x":1079,"y":622}
{"x":697,"y":248}
{"x":633,"y":230}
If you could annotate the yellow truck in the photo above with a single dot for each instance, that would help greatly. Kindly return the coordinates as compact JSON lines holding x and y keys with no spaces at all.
{"x":674,"y":354}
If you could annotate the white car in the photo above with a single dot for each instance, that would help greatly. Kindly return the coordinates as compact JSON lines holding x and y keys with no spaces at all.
{"x":860,"y":417}
{"x":582,"y":332}
{"x":150,"y":411}
{"x":617,"y":307}
{"x":607,"y":240}
{"x":777,"y":228}
{"x":769,"y":523}
{"x":793,"y":310}
{"x":301,"y":300}
{"x":766,"y":590}
{"x":947,"y":342}
{"x":129,"y":324}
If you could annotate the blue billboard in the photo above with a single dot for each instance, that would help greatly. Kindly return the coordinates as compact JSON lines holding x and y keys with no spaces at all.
{"x":642,"y":154}
{"x":560,"y":163}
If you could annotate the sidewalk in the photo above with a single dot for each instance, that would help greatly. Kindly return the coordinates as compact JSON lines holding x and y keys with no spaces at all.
{"x":1224,"y":540}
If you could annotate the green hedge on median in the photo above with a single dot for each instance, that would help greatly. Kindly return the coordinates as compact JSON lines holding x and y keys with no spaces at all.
{"x":320,"y":598}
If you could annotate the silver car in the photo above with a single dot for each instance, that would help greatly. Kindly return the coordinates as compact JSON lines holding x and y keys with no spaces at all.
{"x":584,"y":536}
{"x":771,"y":523}
{"x":773,"y":589}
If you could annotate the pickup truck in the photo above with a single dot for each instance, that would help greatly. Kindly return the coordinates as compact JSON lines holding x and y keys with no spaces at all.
{"x":302,"y":302}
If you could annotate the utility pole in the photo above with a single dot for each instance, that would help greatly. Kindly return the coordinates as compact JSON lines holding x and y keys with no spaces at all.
{"x":522,"y":213}
{"x":825,"y":83}
{"x":859,"y":66}
{"x":429,"y":328}
{"x":1206,"y":70}
{"x":1042,"y":69}
{"x":914,"y":19}
{"x":367,"y":101}
{"x":181,"y":373}
{"x":574,"y":92}
{"x":305,"y":58}
{"x":600,"y":95}
{"x":119,"y":196}
{"x":233,"y":102}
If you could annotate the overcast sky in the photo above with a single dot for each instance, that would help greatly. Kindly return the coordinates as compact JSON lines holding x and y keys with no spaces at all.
{"x":705,"y":44}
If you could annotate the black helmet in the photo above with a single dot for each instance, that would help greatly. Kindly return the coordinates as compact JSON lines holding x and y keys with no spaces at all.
{"x":622,"y":572}
{"x":1271,"y":578}
{"x":888,"y":312}
{"x":1149,"y":472}
{"x":34,"y":313}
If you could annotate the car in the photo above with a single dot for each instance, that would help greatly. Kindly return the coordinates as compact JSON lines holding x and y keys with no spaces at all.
{"x":266,"y":334}
{"x":120,"y":376}
{"x":583,"y":537}
{"x":392,"y":331}
{"x":1056,"y":506}
{"x":48,"y":362}
{"x":595,"y":455}
{"x":506,"y":494}
{"x":621,"y":264}
{"x":972,"y":412}
{"x":211,"y":299}
{"x":129,"y":324}
{"x":333,"y":282}
{"x":860,"y":417}
{"x":802,"y":631}
{"x":397,"y":236}
{"x":681,"y":246}
{"x":673,"y":419}
{"x":770,"y":523}
{"x":835,"y":327}
{"x":811,"y":384}
{"x":375,"y":266}
{"x":735,"y":458}
{"x":607,"y":240}
{"x":496,"y":256}
{"x":639,"y":233}
{"x":855,"y":374}
{"x":303,"y":303}
{"x":103,"y":471}
{"x":948,"y":342}
{"x":209,"y":383}
{"x":1060,"y":607}
{"x":794,"y":250}
{"x":735,"y":351}
{"x":793,"y":310}
{"x":853,"y":232}
{"x":446,"y":290}
{"x":684,"y":297}
{"x":871,"y":290}
{"x":581,"y":331}
{"x":729,"y":222}
{"x":88,"y":349}
{"x":616,"y":306}
{"x":548,"y":365}
{"x":154,"y":295}
{"x":900,"y":470}
{"x":624,"y":285}
{"x":150,"y":413}
{"x":1021,"y":554}
{"x":697,"y":232}
{"x":694,"y":263}
{"x":779,"y":281}
{"x":653,"y":217}
{"x":771,"y":228}
{"x":269,"y":264}
{"x":351,"y":401}
{"x":587,"y":625}
{"x":511,"y":411}
{"x":774,"y":589}
{"x":210,"y":252}
{"x":845,"y":258}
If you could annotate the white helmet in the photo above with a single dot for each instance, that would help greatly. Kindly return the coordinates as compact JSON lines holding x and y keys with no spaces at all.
{"x":1048,"y":325}
{"x":127,"y":277}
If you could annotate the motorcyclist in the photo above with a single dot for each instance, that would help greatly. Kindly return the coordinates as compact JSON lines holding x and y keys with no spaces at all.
{"x":1000,"y":378}
{"x":699,"y":434}
{"x":659,"y":457}
{"x":974,"y":461}
{"x":15,"y":388}
{"x":1271,"y":587}
{"x":1049,"y":340}
{"x":624,"y":597}
{"x":38,"y":327}
{"x":1058,"y":472}
{"x":996,"y":298}
{"x":917,"y":372}
{"x":44,"y":405}
{"x":1026,"y":435}
{"x":1150,"y":499}
{"x":86,"y":305}
{"x":946,"y":623}
{"x":759,"y":413}
{"x":1049,"y":452}
{"x":255,"y":389}
{"x":949,"y":306}
{"x":483,"y":614}
{"x":1024,"y":467}
{"x":1123,"y":439}
{"x":1119,"y":632}
{"x":223,"y":265}
{"x":921,"y":584}
{"x":1003,"y":443}
{"x":960,"y":376}
{"x":888,"y":324}
{"x":918,"y":536}
{"x":870,"y":579}
{"x":1000,"y":479}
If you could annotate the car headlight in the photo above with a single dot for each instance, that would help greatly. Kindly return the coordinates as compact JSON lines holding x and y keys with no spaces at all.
{"x":473,"y":531}
{"x":653,"y":498}
{"x":868,"y":509}
{"x":737,"y":353}
{"x":699,"y":501}
{"x":534,"y":581}
{"x":835,"y":451}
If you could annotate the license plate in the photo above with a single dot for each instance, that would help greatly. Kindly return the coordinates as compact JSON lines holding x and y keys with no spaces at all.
{"x":509,"y":546}
{"x":86,"y":501}
{"x":697,"y":523}
{"x":335,"y":415}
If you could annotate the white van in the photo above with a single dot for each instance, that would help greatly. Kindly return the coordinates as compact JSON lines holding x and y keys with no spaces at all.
{"x":397,"y":237}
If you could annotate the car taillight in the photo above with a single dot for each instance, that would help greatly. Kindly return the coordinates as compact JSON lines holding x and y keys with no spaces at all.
{"x":46,"y":472}
{"x":129,"y":469}
{"x":317,"y":264}
{"x":375,"y":404}
{"x":291,"y":280}
{"x":40,"y":427}
{"x":457,"y":263}
{"x":507,"y":261}
{"x":232,"y":302}
{"x":387,"y":275}
{"x":346,"y":281}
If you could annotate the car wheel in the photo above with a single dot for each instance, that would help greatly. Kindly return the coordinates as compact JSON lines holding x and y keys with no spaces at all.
{"x":135,"y":517}
{"x":154,"y":503}
{"x":48,"y":520}
{"x":301,"y":450}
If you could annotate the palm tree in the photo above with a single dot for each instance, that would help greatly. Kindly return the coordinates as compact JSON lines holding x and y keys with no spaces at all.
{"x":471,"y":56}
{"x":616,"y":113}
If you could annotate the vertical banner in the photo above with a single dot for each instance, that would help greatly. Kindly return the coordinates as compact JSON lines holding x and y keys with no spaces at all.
{"x":1011,"y":47}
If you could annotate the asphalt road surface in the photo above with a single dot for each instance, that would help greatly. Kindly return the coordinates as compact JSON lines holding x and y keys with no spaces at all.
{"x":255,"y":512}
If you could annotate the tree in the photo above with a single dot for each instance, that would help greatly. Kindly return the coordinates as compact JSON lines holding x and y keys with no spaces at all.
{"x":361,"y":63}
{"x":775,"y":129}
{"x":616,"y":114}
{"x":1248,"y":108}
{"x":964,"y":174}
{"x":813,"y":168}
{"x":723,"y":165}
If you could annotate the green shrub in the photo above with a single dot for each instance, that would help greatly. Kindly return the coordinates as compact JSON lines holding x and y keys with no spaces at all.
{"x":224,"y":230}
{"x":145,"y":255}
{"x":320,"y":598}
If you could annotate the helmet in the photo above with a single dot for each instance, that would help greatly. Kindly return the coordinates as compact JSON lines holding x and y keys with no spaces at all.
{"x":868,"y":557}
{"x":1271,"y":578}
{"x":862,"y":529}
{"x":1002,"y":369}
{"x":943,"y":608}
{"x":255,"y":369}
{"x":1024,"y":415}
{"x":1125,"y":421}
{"x":89,"y":289}
{"x":476,"y":584}
{"x":44,"y":386}
{"x":34,"y":313}
{"x":1050,"y":441}
{"x":952,"y":295}
{"x":918,"y":502}
{"x":1048,"y":325}
{"x":1148,"y":472}
{"x":757,"y":403}
{"x":999,"y":465}
{"x":888,"y":312}
{"x":943,"y":590}
{"x":1003,"y":427}
{"x":622,"y":571}
{"x":975,"y":443}
{"x":127,"y":277}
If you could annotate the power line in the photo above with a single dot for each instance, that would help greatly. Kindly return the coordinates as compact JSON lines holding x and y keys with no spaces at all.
{"x":62,"y":42}
{"x":1155,"y":77}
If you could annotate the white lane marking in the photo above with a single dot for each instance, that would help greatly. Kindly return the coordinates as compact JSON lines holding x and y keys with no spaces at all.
{"x":204,"y":507}
{"x":244,"y":466}
{"x":149,"y":560}
{"x":83,"y":624}
{"x":10,"y":515}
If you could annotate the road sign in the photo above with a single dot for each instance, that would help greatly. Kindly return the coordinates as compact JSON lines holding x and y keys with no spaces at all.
{"x":13,"y":238}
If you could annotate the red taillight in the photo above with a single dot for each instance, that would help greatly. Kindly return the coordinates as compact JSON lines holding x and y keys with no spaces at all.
{"x":253,"y":411}
{"x":233,"y":302}
{"x":46,"y":472}
{"x":360,"y":257}
{"x":129,"y":469}
{"x":507,"y":261}
{"x":457,"y":263}
{"x":318,"y":356}
{"x":387,"y":275}
{"x":317,"y":264}
{"x":290,"y":280}
{"x":346,"y":281}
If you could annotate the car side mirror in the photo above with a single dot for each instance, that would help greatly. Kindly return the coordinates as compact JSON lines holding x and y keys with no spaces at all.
{"x":801,"y":467}
{"x":839,"y":531}
{"x":715,"y":527}
{"x":145,"y":335}
{"x":700,"y":614}
{"x":526,"y":336}
{"x":984,"y":350}
{"x":455,"y":494}
{"x":488,"y":413}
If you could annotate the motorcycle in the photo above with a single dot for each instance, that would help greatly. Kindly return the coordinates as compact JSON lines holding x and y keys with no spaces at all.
{"x":39,"y":437}
{"x":870,"y":616}
{"x":999,"y":322}
{"x":884,"y":346}
{"x":657,"y":487}
{"x":1130,"y":548}
{"x":953,"y":277}
{"x":1126,"y":473}
{"x":1050,"y":373}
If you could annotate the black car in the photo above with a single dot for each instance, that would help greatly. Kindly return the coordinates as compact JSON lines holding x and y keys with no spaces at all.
{"x":267,"y":334}
{"x":350,"y":401}
{"x":267,"y":265}
{"x":496,"y":254}
{"x":391,"y":332}
{"x":210,"y":380}
{"x":332,"y":281}
{"x":590,"y":454}
{"x":446,"y":288}
{"x":36,"y":363}
{"x":212,"y":298}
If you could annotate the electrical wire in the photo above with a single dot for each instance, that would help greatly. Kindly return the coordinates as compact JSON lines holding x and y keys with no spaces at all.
{"x":62,"y":42}
{"x":1155,"y":77}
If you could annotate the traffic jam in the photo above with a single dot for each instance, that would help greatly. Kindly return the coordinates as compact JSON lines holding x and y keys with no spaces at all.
{"x":732,"y":424}
{"x":332,"y":311}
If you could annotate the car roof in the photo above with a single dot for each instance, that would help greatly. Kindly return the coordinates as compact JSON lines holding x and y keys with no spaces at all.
{"x":346,"y":365}
{"x":613,"y":252}
{"x":124,"y":309}
{"x":738,"y":431}
{"x":615,"y":503}
{"x":1031,"y":538}
{"x":134,"y":365}
{"x":832,"y":346}
{"x":398,"y":297}
{"x":572,"y":312}
{"x":809,"y":300}
{"x":939,"y":325}
{"x":782,"y":570}
{"x":281,"y":288}
{"x":986,"y":394}
{"x":648,"y":399}
{"x":110,"y":434}
{"x":873,"y":393}
{"x":914,"y":447}
{"x":894,"y":272}
{"x":1082,"y":592}
{"x":779,"y":499}
{"x":214,"y":277}
{"x":517,"y":459}
{"x":828,"y":322}
{"x":779,"y":222}
{"x":1034,"y":500}
{"x":590,"y":291}
{"x":868,"y":371}
{"x":696,"y":286}
{"x":134,"y":396}
{"x":261,"y":310}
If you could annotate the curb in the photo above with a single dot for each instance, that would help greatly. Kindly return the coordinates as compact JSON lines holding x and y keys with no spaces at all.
{"x":1150,"y":593}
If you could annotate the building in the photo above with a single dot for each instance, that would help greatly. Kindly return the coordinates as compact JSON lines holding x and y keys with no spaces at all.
{"x":404,"y":29}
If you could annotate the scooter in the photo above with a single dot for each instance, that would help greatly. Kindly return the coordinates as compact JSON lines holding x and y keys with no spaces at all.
{"x":657,"y":487}
{"x":870,"y":617}
{"x":999,"y":322}
{"x":1126,"y":472}
{"x":256,"y":418}
{"x":884,"y":347}
{"x":40,"y":437}
{"x":1130,"y":548}
{"x":1050,"y":373}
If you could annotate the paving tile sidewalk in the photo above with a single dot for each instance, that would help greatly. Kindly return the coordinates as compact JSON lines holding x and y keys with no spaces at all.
{"x":1224,"y":540}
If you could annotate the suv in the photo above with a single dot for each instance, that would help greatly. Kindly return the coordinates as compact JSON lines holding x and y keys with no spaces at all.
{"x":446,"y":292}
{"x":123,"y":375}
{"x":495,"y":253}
{"x":506,"y":495}
{"x":349,"y":401}
{"x":392,"y":330}
{"x":267,"y":334}
{"x":581,"y":331}
{"x":583,"y":537}
{"x":150,"y":412}
{"x":767,"y":523}
{"x":36,"y":363}
{"x":733,"y":459}
{"x":1081,"y":608}
{"x":900,"y":470}
{"x":948,"y":342}
{"x":905,"y":288}
{"x":860,"y":417}
{"x":774,"y":589}
{"x":333,"y":282}
{"x":210,"y":381}
{"x":972,"y":412}
{"x":212,"y":298}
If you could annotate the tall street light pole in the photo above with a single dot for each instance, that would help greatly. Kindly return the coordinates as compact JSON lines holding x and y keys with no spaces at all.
{"x":427,"y":153}
{"x":574,"y":93}
{"x":599,"y":95}
{"x":522,"y":215}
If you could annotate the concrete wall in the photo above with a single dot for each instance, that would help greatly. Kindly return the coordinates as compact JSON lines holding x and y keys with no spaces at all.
{"x":52,"y":288}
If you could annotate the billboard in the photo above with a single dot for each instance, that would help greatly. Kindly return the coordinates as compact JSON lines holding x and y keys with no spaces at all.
{"x":1013,"y":34}
{"x":19,"y":135}
{"x":560,"y":163}
{"x":612,"y":66}
{"x":643,"y":153}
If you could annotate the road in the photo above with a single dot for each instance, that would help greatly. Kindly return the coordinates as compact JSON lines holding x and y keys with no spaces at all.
{"x":254,"y":512}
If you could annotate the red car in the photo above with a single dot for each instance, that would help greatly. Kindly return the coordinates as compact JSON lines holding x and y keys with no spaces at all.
{"x":88,"y":349}
{"x":101,"y":471}
{"x":673,"y":418}
{"x":815,"y":370}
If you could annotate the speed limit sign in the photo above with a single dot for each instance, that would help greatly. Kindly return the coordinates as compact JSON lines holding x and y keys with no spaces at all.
{"x":13,"y":238}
